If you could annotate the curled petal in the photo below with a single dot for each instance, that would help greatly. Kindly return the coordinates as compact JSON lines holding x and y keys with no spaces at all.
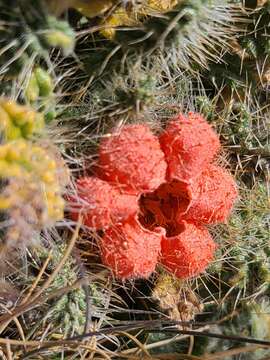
{"x":131,"y":251}
{"x":188,"y":254}
{"x":132,"y":158}
{"x":214,"y":194}
{"x":163,"y":206}
{"x":189,"y":144}
{"x":101,"y":204}
{"x":175,"y":198}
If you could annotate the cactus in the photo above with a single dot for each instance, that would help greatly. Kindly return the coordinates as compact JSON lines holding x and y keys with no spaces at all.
{"x":250,"y":252}
{"x":253,"y":321}
{"x":40,"y":33}
{"x":39,"y":92}
{"x":69,"y":312}
{"x":133,"y":62}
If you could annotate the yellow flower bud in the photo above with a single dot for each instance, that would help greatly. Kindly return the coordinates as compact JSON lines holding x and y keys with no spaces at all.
{"x":57,"y":38}
{"x":19,"y":121}
{"x":48,"y":177}
{"x":4,"y":119}
{"x":13,"y":132}
{"x":44,"y":82}
{"x":32,"y":89}
{"x":92,"y":8}
{"x":4,"y":203}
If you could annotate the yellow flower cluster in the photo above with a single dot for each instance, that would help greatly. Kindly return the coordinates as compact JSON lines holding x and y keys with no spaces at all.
{"x":23,"y":160}
{"x":18,"y":121}
{"x":128,"y":13}
{"x":134,"y":15}
{"x":32,"y":175}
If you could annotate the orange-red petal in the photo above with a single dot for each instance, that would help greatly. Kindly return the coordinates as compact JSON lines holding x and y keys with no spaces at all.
{"x":132,"y":158}
{"x":188,"y":254}
{"x":131,"y":251}
{"x":214,"y":193}
{"x":189,"y":144}
{"x":101,"y":204}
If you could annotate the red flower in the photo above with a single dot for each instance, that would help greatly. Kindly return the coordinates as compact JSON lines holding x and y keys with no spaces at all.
{"x":147,"y":185}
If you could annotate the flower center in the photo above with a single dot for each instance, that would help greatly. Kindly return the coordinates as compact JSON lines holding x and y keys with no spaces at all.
{"x":164,"y":207}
